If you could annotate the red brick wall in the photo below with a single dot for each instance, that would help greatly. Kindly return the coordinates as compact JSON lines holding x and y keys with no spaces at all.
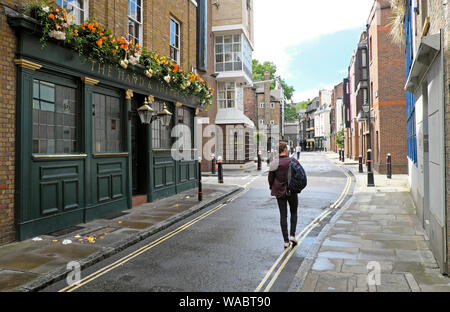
{"x":7,"y":127}
{"x":387,"y":76}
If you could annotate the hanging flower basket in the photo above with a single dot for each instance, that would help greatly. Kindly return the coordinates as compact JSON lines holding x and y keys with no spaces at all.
{"x":93,"y":42}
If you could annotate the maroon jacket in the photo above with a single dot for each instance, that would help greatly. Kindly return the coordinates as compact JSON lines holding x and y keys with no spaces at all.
{"x":278,"y":175}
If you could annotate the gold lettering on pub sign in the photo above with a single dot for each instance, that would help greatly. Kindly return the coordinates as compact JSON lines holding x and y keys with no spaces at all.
{"x":123,"y":75}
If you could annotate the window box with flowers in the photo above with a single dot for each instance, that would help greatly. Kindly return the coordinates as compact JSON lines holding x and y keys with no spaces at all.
{"x":77,"y":89}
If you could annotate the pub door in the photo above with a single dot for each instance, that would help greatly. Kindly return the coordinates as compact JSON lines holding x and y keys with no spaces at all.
{"x":139,"y":149}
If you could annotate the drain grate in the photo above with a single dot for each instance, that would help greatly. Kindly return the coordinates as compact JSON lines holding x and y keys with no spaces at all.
{"x":116,"y":215}
{"x":66,"y":231}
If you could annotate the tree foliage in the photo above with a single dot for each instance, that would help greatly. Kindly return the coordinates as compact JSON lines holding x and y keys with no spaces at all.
{"x":290,"y":112}
{"x":258,"y":74}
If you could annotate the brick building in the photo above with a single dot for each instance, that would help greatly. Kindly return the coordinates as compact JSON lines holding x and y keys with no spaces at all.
{"x":229,"y":68}
{"x":336,"y":118}
{"x":375,"y":97}
{"x":95,"y":161}
{"x":309,"y":121}
{"x":386,"y":96}
{"x":270,"y":111}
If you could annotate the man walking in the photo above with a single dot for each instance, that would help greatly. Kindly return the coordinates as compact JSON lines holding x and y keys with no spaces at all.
{"x":277,"y":183}
{"x":298,"y":150}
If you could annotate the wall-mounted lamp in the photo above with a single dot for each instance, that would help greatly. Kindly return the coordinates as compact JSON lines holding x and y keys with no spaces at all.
{"x":147,"y":113}
{"x":165,"y":115}
{"x":217,"y":3}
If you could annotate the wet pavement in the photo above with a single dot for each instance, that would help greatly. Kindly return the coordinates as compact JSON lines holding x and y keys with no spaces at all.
{"x":34,"y":263}
{"x":377,"y":232}
{"x":228,"y":247}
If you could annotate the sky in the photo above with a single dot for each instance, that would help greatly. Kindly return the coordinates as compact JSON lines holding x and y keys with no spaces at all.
{"x":310,"y":42}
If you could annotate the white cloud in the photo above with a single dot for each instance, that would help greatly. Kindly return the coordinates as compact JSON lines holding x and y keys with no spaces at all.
{"x":281,"y":25}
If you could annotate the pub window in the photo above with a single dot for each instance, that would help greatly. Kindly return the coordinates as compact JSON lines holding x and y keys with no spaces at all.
{"x":175,"y":40}
{"x":55,"y":118}
{"x":160,"y":134}
{"x":185,"y":117}
{"x":135,"y":21}
{"x":107,"y":124}
{"x":77,"y":8}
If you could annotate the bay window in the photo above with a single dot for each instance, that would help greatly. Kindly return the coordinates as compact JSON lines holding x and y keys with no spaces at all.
{"x":226,"y":94}
{"x":233,"y":53}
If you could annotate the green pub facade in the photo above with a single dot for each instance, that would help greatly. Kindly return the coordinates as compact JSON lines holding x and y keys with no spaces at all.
{"x":81,"y":150}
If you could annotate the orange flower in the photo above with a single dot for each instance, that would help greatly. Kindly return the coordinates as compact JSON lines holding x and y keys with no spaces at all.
{"x":99,"y":43}
{"x":51,"y":16}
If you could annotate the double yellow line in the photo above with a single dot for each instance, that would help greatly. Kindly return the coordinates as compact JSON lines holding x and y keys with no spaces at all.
{"x":141,"y":250}
{"x":300,"y":237}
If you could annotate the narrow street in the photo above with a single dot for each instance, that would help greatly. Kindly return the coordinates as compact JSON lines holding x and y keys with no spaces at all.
{"x":233,"y":246}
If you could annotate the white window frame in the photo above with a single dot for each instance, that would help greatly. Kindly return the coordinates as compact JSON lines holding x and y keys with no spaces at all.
{"x":83,"y":11}
{"x":225,"y":99}
{"x":261,"y":105}
{"x":272,"y":122}
{"x":177,"y":36}
{"x":272,"y":105}
{"x":237,"y":57}
{"x":261,"y":122}
{"x":136,"y":22}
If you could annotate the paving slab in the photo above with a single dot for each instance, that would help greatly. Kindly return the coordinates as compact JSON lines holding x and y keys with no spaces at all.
{"x":12,"y":279}
{"x":380,"y":222}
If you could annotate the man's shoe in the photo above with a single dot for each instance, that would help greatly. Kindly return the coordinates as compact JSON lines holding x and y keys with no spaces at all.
{"x":293,"y":240}
{"x":286,"y":245}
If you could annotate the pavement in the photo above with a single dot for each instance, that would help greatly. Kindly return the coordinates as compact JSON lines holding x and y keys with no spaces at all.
{"x":374,"y":244}
{"x":35,"y":263}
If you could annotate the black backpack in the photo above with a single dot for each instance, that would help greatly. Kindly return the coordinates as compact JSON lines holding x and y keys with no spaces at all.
{"x":296,"y":178}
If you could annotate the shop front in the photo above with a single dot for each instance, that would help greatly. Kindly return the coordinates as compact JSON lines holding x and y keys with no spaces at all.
{"x":82,"y":151}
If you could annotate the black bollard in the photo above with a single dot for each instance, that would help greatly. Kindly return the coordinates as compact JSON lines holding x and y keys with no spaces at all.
{"x":213,"y":164}
{"x":343,"y":156}
{"x":370,"y":179}
{"x":389,"y":166}
{"x":220,"y":169}
{"x":200,"y":191}
{"x":259,"y":161}
{"x":340,"y":155}
{"x":361,"y":170}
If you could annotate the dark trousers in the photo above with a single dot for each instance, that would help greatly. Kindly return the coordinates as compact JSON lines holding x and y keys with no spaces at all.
{"x":298,"y":155}
{"x":293,"y":205}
